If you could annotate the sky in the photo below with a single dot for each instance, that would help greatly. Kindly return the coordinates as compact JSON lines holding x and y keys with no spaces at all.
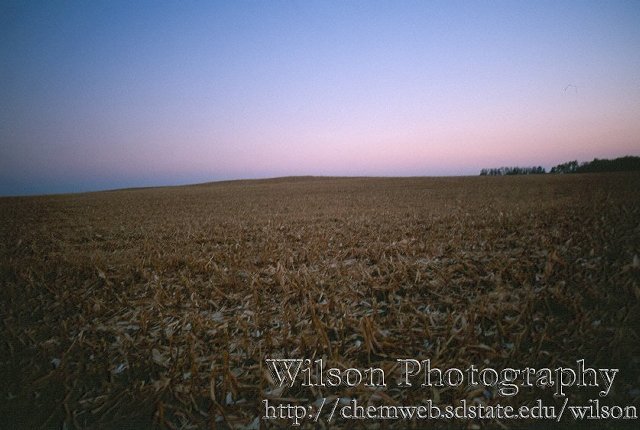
{"x":110,"y":94}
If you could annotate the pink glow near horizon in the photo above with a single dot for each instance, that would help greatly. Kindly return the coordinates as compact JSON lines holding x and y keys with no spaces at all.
{"x":177,"y":95}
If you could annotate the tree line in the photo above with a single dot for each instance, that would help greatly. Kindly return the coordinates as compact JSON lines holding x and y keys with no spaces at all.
{"x":617,"y":165}
{"x":501,"y":171}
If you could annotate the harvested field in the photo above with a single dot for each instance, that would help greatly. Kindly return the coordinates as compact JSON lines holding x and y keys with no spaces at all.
{"x":157,"y":307}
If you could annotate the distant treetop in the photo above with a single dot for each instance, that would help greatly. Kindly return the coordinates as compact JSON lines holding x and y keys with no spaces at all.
{"x":500,"y":171}
{"x":617,"y":165}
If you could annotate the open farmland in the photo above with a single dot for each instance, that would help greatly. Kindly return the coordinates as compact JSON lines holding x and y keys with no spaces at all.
{"x":159,"y":306}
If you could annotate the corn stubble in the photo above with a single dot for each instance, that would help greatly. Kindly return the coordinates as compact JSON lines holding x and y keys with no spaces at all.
{"x":157,"y":307}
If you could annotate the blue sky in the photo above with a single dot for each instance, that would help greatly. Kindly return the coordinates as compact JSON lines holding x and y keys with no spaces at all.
{"x":108,"y":94}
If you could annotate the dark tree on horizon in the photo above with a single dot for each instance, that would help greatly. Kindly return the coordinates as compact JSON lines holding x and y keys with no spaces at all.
{"x":503,"y":171}
{"x":621,"y":164}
